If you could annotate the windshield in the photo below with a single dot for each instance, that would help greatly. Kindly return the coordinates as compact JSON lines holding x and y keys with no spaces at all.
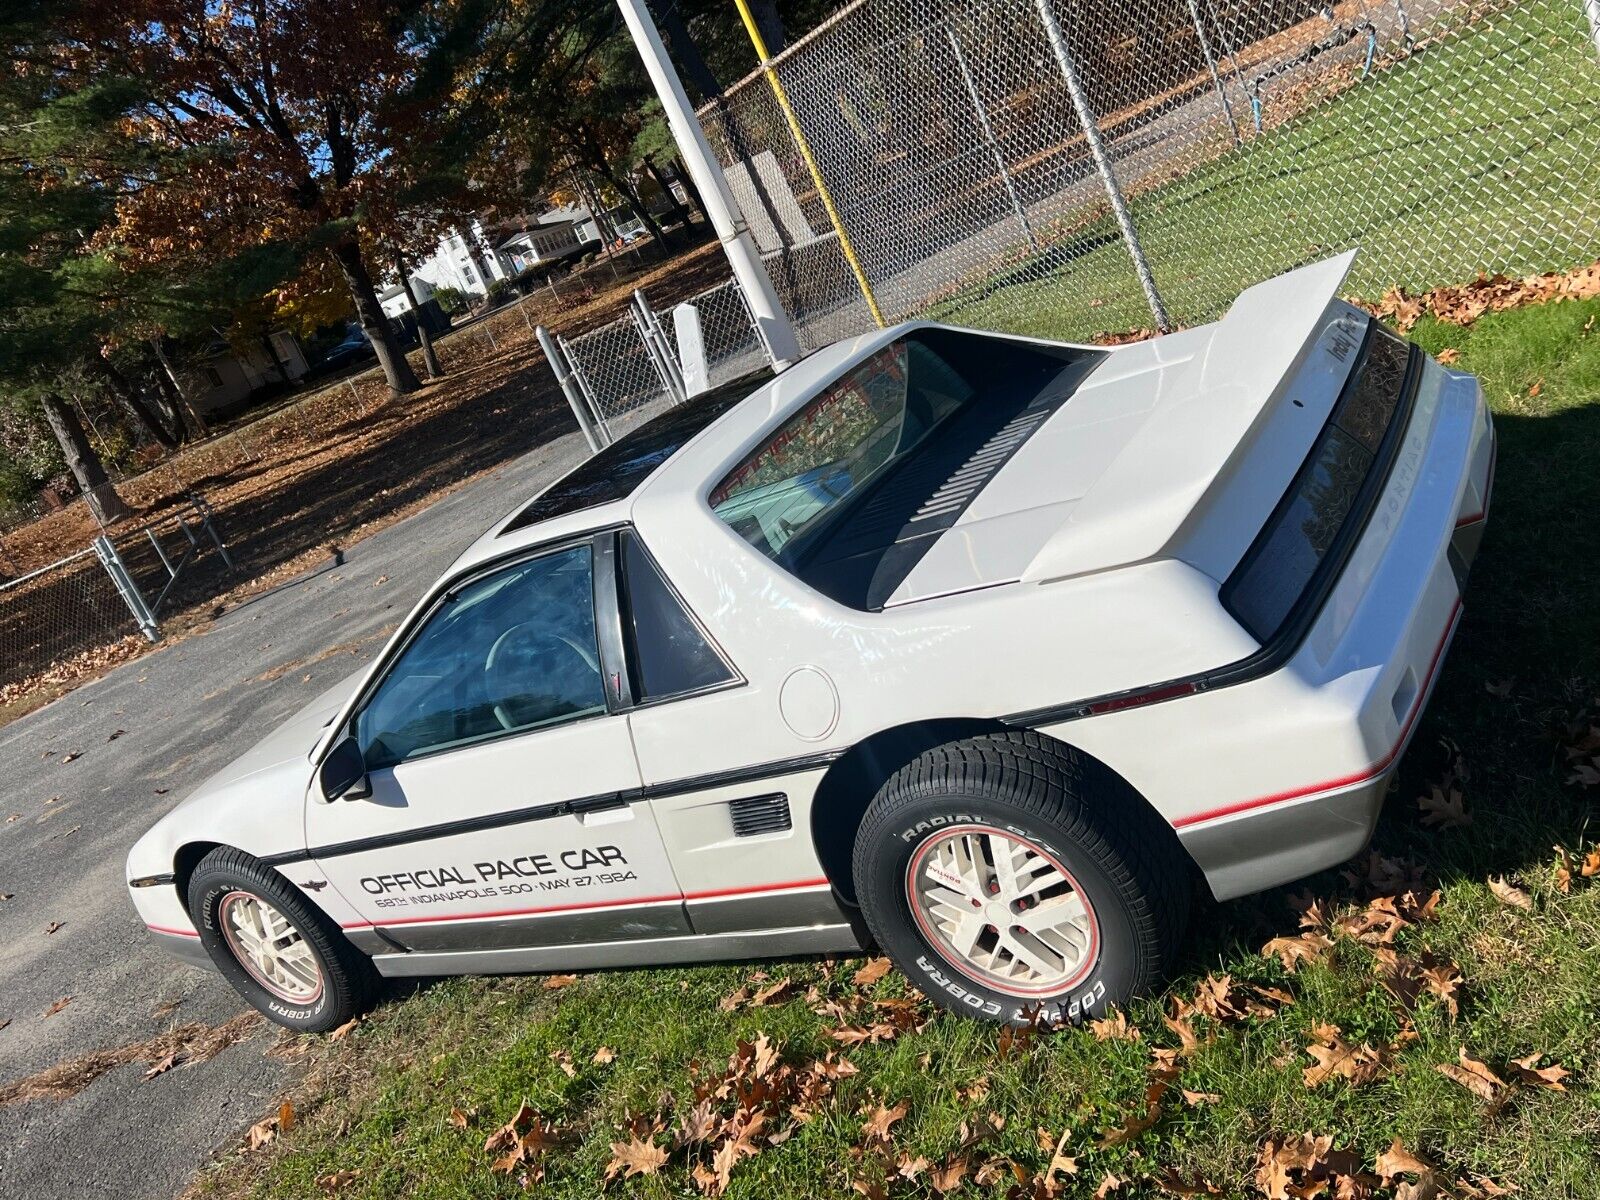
{"x":837,"y":445}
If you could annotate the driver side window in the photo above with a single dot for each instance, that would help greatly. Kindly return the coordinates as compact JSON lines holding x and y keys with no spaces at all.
{"x":508,"y":652}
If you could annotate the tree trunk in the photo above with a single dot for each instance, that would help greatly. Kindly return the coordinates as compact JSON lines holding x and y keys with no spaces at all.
{"x":430,"y":360}
{"x":770,"y":24}
{"x":83,"y":462}
{"x":690,"y":61}
{"x":688,"y":186}
{"x":679,"y":212}
{"x":397,"y":371}
{"x":180,"y":399}
{"x":624,"y":185}
{"x":129,"y":395}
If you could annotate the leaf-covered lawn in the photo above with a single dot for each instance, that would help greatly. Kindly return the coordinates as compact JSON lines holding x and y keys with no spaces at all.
{"x":1422,"y":1022}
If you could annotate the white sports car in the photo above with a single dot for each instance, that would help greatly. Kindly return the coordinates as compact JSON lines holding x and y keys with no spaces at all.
{"x":978,"y":647}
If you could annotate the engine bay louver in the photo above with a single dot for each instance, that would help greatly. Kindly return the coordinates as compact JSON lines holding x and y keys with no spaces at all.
{"x":754,"y":815}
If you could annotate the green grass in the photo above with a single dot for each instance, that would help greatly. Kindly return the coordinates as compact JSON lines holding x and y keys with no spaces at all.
{"x":378,"y":1102}
{"x":1480,"y":149}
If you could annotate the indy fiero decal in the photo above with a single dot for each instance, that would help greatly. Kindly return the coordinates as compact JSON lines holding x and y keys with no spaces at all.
{"x":1364,"y":776}
{"x":635,"y":901}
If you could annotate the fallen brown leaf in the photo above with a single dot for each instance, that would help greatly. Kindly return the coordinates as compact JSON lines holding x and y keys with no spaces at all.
{"x":1199,"y":1098}
{"x":553,"y":982}
{"x":286,"y":1117}
{"x":1449,"y":355}
{"x":1509,"y":893}
{"x":53,"y":926}
{"x":604,"y":1055}
{"x":1397,"y":1160}
{"x":344,"y":1030}
{"x":458,"y":1118}
{"x":1474,"y":1076}
{"x":948,"y":1177}
{"x":883,"y":1119}
{"x":1292,"y":951}
{"x":1115,"y":1028}
{"x":58,"y":1006}
{"x":635,"y":1157}
{"x":335,"y":1180}
{"x":874,"y":970}
{"x":1545,"y":1077}
{"x":259,"y":1134}
{"x":1444,"y":809}
{"x":1336,"y":1058}
{"x":775,"y":993}
{"x":162,"y":1066}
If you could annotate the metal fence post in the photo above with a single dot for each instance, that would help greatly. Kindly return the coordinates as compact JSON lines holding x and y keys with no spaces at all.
{"x":1102,"y":161}
{"x":106,"y":552}
{"x":1211,"y":64}
{"x":988,"y":136}
{"x":1591,"y":9}
{"x":593,"y":431}
{"x":657,"y":347}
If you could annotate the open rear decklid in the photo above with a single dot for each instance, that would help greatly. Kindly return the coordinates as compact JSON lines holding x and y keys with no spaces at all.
{"x":1157,"y":439}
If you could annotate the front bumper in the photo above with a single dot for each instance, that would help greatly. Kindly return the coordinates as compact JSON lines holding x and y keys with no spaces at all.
{"x":1365,"y":673}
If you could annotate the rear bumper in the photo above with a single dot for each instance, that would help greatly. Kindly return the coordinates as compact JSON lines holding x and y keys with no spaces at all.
{"x":1355,"y":690}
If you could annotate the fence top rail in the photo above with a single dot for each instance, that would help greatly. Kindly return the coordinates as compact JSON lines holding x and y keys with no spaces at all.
{"x":87,"y":552}
{"x":783,"y":55}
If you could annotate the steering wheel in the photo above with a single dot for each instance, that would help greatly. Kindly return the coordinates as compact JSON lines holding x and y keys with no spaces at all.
{"x":505,"y":666}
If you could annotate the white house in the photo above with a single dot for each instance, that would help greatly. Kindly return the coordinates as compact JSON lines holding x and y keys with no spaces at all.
{"x":545,"y":242}
{"x":393,"y":299}
{"x":467,"y":260}
{"x":222,"y":377}
{"x":464,"y":260}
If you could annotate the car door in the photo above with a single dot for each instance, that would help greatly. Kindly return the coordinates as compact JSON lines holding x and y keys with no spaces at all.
{"x":503,"y":807}
{"x":738,"y":837}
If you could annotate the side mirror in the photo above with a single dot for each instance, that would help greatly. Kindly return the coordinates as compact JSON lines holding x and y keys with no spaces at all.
{"x":343,"y":775}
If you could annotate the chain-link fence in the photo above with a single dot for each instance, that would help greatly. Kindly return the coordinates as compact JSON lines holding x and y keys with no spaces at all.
{"x":60,"y":620}
{"x":977,"y":153}
{"x":649,"y":358}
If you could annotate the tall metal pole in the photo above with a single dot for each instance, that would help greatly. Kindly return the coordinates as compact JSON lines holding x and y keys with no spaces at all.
{"x":773,"y":322}
{"x":988,"y":136}
{"x":1216,"y":78}
{"x":1102,"y":161}
{"x":1591,"y":9}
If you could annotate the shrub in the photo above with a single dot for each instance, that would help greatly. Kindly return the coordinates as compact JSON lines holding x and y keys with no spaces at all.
{"x":452,"y":300}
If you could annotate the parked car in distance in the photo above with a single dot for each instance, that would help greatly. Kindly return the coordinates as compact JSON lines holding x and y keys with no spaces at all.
{"x":353,"y":349}
{"x":986,"y":649}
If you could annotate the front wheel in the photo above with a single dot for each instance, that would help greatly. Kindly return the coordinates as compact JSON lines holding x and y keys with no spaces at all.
{"x":1014,"y":880}
{"x":275,"y":948}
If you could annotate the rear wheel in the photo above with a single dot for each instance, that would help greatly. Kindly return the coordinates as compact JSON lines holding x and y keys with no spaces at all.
{"x":1015,"y":880}
{"x":276,"y":949}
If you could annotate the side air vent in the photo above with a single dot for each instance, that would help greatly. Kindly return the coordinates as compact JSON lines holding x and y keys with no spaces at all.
{"x":754,"y":815}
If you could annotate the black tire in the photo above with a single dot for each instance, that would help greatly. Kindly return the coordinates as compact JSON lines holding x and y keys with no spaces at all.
{"x":348,"y":980}
{"x":1123,"y":860}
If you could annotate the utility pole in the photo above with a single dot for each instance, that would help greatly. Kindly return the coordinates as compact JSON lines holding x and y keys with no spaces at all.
{"x":783,"y":347}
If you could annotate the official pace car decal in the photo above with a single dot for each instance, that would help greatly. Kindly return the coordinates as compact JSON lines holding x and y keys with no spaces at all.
{"x":582,"y":867}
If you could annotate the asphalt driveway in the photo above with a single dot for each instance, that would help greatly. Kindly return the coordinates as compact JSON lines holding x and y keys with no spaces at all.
{"x":88,"y":774}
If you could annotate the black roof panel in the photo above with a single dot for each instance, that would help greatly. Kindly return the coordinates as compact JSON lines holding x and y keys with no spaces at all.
{"x":624,"y":465}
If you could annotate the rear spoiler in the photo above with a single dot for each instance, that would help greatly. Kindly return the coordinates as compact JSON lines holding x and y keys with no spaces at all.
{"x":1139,"y":507}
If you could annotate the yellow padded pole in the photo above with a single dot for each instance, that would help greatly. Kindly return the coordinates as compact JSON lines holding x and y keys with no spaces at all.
{"x":782,"y":97}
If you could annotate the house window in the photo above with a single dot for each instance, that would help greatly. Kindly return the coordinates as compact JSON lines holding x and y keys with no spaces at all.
{"x":214,"y":377}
